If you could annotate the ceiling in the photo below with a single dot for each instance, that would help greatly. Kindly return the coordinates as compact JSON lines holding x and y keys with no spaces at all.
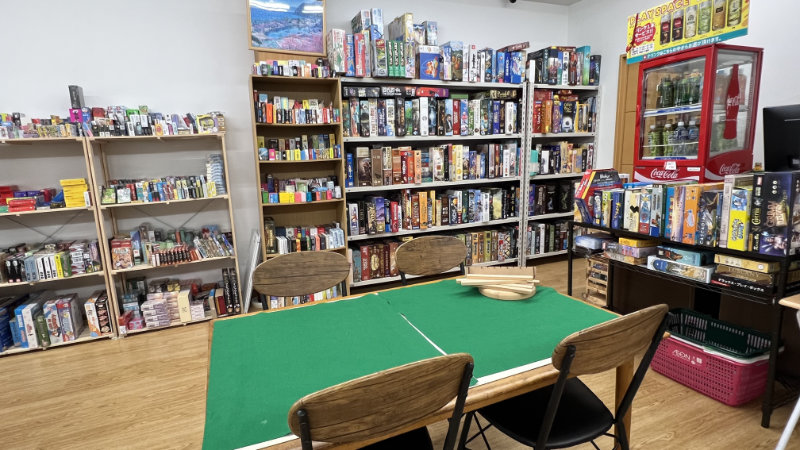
{"x":555,"y":2}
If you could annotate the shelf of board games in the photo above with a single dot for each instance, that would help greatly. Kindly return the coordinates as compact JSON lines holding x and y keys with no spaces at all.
{"x":300,"y":214}
{"x":190,"y":208}
{"x":520,"y":135}
{"x":47,"y":224}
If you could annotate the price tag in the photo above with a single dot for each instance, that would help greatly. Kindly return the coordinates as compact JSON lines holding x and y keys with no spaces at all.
{"x":670,"y":165}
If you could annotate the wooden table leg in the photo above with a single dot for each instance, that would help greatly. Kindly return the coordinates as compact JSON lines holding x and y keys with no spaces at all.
{"x":624,"y":377}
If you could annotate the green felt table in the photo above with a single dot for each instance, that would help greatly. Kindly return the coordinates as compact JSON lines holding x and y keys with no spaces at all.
{"x":261,"y":364}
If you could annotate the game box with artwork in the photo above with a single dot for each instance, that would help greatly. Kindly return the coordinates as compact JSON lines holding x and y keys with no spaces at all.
{"x":775,"y":195}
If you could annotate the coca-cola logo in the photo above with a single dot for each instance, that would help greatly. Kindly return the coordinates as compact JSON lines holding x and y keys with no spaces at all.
{"x":730,"y":102}
{"x":730,"y":169}
{"x":664,"y":174}
{"x":644,"y":34}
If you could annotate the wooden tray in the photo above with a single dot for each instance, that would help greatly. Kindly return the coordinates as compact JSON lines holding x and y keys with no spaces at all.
{"x":497,"y":292}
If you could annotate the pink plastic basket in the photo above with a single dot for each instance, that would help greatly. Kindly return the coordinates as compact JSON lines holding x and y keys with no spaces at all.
{"x":719,"y":377}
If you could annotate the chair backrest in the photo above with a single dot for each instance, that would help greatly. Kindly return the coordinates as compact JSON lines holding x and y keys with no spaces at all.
{"x":430,"y":255}
{"x":300,"y":273}
{"x":378,"y":404}
{"x":608,"y":345}
{"x":603,"y":347}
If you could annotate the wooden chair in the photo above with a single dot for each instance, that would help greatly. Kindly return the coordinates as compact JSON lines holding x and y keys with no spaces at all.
{"x":568,"y":413}
{"x":300,"y":273}
{"x":430,"y":255}
{"x":382,"y":403}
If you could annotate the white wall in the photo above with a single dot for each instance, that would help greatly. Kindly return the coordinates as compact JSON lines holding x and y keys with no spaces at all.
{"x":193,"y":57}
{"x":602,"y":24}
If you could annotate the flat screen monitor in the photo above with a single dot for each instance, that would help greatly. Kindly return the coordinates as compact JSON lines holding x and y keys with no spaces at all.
{"x":782,"y":138}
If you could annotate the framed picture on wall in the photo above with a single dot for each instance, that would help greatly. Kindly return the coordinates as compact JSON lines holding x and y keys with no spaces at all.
{"x":287,"y":26}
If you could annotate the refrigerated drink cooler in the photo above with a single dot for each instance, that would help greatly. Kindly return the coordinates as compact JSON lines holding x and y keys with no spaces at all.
{"x":696,"y":114}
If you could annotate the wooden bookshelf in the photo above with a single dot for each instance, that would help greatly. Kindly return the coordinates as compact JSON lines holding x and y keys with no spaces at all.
{"x":111,"y":158}
{"x":303,"y":214}
{"x":33,"y":171}
{"x":417,"y":142}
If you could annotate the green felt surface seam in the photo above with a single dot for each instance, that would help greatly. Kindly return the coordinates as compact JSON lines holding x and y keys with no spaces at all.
{"x":261,"y":364}
{"x":499,"y":335}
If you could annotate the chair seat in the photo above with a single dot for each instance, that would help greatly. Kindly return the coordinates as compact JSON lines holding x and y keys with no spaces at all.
{"x":415,"y":439}
{"x":581,"y":416}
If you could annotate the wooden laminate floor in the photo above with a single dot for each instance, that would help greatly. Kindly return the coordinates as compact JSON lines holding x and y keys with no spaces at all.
{"x":148,"y":391}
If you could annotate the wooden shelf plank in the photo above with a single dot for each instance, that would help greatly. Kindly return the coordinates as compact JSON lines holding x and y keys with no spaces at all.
{"x":173,"y":137}
{"x":45,"y":211}
{"x":166,"y":202}
{"x":142,"y":267}
{"x":52,"y":280}
{"x":44,"y":140}
{"x":84,"y":337}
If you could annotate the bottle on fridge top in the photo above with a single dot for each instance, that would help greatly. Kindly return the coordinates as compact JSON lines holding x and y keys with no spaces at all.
{"x":718,"y":16}
{"x":677,"y":25}
{"x":690,"y":22}
{"x":681,"y":138}
{"x":693,"y":138}
{"x":668,"y":139}
{"x":734,"y":12}
{"x":704,"y":17}
{"x":666,"y":28}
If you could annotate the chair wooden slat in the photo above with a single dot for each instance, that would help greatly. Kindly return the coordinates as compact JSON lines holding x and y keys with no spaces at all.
{"x":610,"y":344}
{"x":430,"y":255}
{"x":300,"y":273}
{"x":377,"y":404}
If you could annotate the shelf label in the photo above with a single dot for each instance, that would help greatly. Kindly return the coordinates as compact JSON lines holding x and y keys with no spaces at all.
{"x":680,"y":25}
{"x":670,"y":165}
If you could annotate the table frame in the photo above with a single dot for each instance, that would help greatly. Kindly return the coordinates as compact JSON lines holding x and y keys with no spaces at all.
{"x":477,"y":397}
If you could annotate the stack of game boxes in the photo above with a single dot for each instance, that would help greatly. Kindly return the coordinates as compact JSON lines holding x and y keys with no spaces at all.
{"x":75,"y":192}
{"x":631,"y":251}
{"x":155,"y":311}
{"x":691,"y":264}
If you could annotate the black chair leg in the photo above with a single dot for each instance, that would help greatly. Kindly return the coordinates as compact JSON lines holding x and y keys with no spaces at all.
{"x":462,"y":441}
{"x":481,"y":430}
{"x":622,"y":437}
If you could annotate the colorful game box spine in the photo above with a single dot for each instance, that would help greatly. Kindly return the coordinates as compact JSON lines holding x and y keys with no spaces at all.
{"x":336,"y":50}
{"x":697,"y":273}
{"x":446,"y":62}
{"x":349,"y":56}
{"x":739,"y":219}
{"x":360,"y":55}
{"x":428,"y":62}
{"x":749,"y":264}
{"x":380,"y":66}
{"x":691,"y":204}
{"x":644,"y":211}
{"x":431,"y":32}
{"x":691,"y":257}
{"x":708,"y":218}
{"x":51,"y":317}
{"x":676,"y":219}
{"x":456,"y":60}
{"x":656,"y":209}
{"x":774,"y":194}
{"x":730,"y":181}
{"x":617,"y":202}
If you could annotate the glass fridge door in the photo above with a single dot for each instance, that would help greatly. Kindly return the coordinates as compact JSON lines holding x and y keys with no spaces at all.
{"x":671,"y":104}
{"x":733,"y":93}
